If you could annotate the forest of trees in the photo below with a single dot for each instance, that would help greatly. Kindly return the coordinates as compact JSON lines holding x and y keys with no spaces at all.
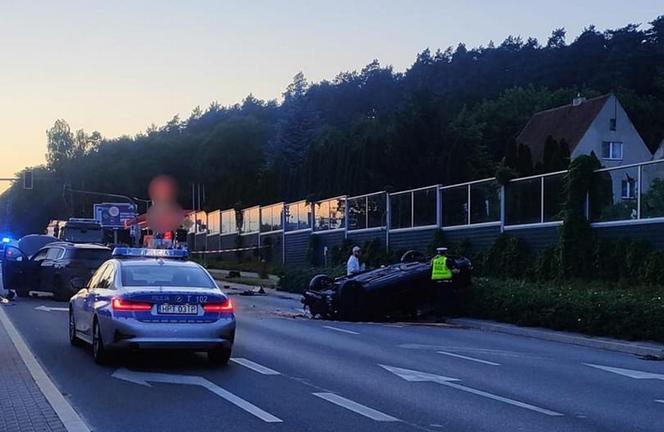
{"x":452,"y":116}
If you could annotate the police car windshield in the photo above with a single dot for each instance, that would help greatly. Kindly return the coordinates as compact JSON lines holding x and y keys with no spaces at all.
{"x":165,"y":276}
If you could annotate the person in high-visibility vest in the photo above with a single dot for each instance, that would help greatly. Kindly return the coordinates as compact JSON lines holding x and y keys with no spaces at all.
{"x":442,"y":271}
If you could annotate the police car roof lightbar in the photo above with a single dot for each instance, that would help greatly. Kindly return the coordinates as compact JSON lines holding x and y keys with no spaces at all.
{"x":127,"y":252}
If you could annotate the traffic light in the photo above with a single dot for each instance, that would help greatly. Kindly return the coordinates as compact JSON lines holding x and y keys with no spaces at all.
{"x":27,"y":179}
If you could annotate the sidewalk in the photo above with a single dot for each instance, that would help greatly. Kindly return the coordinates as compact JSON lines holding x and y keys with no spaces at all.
{"x":23,"y":406}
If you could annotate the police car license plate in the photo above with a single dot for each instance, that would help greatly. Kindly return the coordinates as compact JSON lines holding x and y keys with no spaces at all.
{"x":169,"y":309}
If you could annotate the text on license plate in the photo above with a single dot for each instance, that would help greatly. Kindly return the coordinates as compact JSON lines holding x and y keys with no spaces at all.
{"x":185,"y":309}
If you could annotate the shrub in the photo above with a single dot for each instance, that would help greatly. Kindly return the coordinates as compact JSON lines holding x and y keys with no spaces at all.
{"x":508,"y":257}
{"x":593,"y":308}
{"x":576,"y":236}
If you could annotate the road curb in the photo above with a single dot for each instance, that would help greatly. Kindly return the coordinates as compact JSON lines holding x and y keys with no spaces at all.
{"x":636,"y":348}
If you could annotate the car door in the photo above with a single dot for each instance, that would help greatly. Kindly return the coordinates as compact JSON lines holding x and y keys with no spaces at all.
{"x":103,"y":295}
{"x":101,"y":286}
{"x":23,"y":274}
{"x":48,"y":268}
{"x":14,"y":264}
{"x":82,"y":316}
{"x":33,"y":269}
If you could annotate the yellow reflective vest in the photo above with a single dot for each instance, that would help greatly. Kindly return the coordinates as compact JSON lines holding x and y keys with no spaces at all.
{"x":439,"y":269}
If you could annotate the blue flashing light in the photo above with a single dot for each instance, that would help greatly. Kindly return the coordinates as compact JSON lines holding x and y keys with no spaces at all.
{"x":127,"y":252}
{"x":6,"y":239}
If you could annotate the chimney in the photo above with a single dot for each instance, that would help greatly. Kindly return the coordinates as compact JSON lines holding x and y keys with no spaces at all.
{"x":578,"y":100}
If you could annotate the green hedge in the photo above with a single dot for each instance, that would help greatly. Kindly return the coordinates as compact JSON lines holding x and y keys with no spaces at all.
{"x":625,"y":262}
{"x":581,"y":306}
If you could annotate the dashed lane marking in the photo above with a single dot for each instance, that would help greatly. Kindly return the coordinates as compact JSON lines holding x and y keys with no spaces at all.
{"x":341,"y":330}
{"x":356,"y":407}
{"x":468,"y":358}
{"x":254,"y":366}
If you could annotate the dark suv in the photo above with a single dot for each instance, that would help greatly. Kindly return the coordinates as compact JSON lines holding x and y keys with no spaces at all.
{"x":60,"y":267}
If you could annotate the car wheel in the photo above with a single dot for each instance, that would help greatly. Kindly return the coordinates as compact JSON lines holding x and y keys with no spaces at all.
{"x":73,"y":339}
{"x":99,"y":352}
{"x":351,"y":301}
{"x":59,"y":291}
{"x":219,"y":356}
{"x":320,"y":282}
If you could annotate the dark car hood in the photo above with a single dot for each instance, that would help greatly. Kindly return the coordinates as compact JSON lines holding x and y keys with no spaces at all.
{"x":31,"y":243}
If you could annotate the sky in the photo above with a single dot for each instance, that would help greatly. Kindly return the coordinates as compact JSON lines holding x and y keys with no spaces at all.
{"x":119,"y":66}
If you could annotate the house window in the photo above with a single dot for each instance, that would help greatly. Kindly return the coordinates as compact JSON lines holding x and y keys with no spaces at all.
{"x":612,"y":124}
{"x":612,"y":150}
{"x":628,"y":188}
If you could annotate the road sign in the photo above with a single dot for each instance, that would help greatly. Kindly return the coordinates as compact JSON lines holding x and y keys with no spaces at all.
{"x":114,"y":215}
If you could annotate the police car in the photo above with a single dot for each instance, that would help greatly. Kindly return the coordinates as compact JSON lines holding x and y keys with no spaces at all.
{"x":152,"y":299}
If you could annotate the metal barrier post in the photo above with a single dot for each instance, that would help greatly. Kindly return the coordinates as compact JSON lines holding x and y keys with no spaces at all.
{"x":502,"y":208}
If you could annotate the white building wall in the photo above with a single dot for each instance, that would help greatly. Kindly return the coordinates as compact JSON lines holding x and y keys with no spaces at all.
{"x":634,"y":148}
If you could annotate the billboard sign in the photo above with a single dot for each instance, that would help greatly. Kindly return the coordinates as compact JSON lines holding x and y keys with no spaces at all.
{"x":114,"y":215}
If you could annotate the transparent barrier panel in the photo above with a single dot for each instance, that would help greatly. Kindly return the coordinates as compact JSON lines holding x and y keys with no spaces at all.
{"x":303,"y":215}
{"x":337,"y":217}
{"x":271,"y":218}
{"x":322,"y":213}
{"x":652,"y":190}
{"x":455,"y":206}
{"x":613,"y":195}
{"x":376,"y":210}
{"x":214,"y":222}
{"x":229,"y":222}
{"x":401,"y":211}
{"x":424,"y":207}
{"x":523,"y":202}
{"x":554,"y":197}
{"x":357,"y":213}
{"x":250,"y":220}
{"x":484,"y":202}
{"x":291,"y":216}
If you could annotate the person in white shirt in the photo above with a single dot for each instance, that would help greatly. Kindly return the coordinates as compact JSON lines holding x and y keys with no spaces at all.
{"x":353,"y":264}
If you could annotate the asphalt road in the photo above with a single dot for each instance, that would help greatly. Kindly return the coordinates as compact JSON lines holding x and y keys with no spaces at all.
{"x":294,"y":374}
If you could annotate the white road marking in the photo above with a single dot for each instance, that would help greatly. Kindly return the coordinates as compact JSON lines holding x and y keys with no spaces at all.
{"x":40,"y":293}
{"x":68,"y":416}
{"x":468,"y":358}
{"x":469,"y":350}
{"x":254,"y":366}
{"x":142,"y":378}
{"x":417,"y":376}
{"x":628,"y":372}
{"x":356,"y":407}
{"x":49,"y":309}
{"x":341,"y":330}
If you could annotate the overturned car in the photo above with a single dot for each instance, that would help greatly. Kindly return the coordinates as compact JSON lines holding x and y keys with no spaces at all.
{"x":404,"y":288}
